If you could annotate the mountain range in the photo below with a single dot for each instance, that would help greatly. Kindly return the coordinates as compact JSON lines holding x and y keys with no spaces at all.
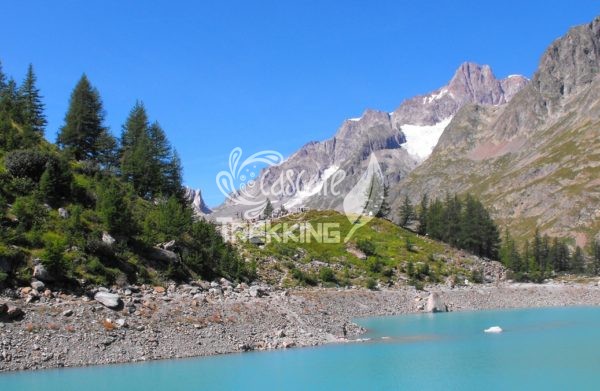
{"x":529,"y":149}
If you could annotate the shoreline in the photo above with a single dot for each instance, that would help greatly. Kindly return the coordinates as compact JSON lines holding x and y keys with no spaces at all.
{"x":191,"y":321}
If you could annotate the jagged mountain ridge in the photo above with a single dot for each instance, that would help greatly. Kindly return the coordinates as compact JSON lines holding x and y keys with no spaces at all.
{"x":421,"y":118}
{"x":536,"y":160}
{"x":194,"y":196}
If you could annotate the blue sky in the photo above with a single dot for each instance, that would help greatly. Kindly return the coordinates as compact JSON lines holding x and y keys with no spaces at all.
{"x":266,"y":74}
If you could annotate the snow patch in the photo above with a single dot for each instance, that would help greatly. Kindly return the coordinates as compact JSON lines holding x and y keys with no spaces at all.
{"x":311,"y":189}
{"x":435,"y":96}
{"x":421,"y":139}
{"x":355,"y":119}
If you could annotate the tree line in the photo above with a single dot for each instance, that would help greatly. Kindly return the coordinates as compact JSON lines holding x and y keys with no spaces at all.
{"x":462,"y":222}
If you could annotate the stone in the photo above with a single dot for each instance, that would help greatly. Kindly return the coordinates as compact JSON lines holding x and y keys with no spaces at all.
{"x":41,"y":273}
{"x":63,"y":213}
{"x":38,"y":285}
{"x":108,"y":239}
{"x":67,"y":313}
{"x":26,"y":290}
{"x":162,"y":255}
{"x":3,"y":308}
{"x":435,"y":303}
{"x":121,"y":323}
{"x":109,"y":300}
{"x":159,"y":289}
{"x":256,"y":291}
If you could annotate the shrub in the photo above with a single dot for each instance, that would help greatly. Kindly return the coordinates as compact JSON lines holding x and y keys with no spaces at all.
{"x":304,"y":278}
{"x":370,"y":283}
{"x":26,"y":163}
{"x":366,"y":246}
{"x":327,"y":275}
{"x":30,"y":212}
{"x":53,"y":256}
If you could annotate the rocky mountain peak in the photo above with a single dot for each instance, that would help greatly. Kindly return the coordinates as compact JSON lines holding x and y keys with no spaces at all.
{"x":194,"y":196}
{"x":569,"y":63}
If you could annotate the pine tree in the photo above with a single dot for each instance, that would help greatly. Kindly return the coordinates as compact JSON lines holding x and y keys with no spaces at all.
{"x":577,"y":261}
{"x":453,"y":220}
{"x":384,"y":209}
{"x":406,"y":212}
{"x":84,"y":134}
{"x":423,"y":211}
{"x":137,"y":165}
{"x":2,"y":79}
{"x":30,"y":102}
{"x":596,"y":259}
{"x":268,"y":210}
{"x":509,"y":254}
{"x":55,"y":183}
{"x":435,"y":220}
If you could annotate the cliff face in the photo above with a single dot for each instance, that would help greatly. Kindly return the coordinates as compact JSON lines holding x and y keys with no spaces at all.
{"x":535,"y":160}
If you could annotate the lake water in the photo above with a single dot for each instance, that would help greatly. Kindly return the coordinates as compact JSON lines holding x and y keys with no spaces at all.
{"x":552,"y":348}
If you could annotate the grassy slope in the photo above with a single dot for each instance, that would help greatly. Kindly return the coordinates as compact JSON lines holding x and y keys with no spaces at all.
{"x":432,"y":261}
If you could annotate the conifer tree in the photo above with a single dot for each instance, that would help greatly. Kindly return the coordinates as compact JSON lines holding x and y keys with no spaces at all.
{"x":55,"y":182}
{"x":84,"y":135}
{"x":2,"y":79}
{"x":268,"y":210}
{"x":596,"y":259}
{"x":423,"y":211}
{"x":30,"y":103}
{"x":577,"y":261}
{"x":406,"y":212}
{"x":384,"y":209}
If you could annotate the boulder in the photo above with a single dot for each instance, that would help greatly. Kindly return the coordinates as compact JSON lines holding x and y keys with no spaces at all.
{"x":63,"y":213}
{"x":38,"y":285}
{"x":41,"y":273}
{"x":435,"y":303}
{"x":109,"y":300}
{"x":108,"y":239}
{"x":160,"y":254}
{"x":67,"y":313}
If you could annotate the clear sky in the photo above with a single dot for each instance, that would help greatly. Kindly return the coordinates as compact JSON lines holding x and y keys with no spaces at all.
{"x":266,"y":74}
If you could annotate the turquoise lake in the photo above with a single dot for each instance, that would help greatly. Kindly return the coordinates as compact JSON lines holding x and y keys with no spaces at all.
{"x":550,"y":349}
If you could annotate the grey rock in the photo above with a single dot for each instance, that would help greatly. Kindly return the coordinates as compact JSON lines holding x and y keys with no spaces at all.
{"x":41,"y":273}
{"x":67,"y":313}
{"x":162,"y":255}
{"x":110,"y":300}
{"x":38,"y":285}
{"x":108,"y":239}
{"x":63,"y":213}
{"x":435,"y":303}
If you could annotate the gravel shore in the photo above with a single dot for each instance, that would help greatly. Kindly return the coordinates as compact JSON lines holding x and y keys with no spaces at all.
{"x":150,"y":323}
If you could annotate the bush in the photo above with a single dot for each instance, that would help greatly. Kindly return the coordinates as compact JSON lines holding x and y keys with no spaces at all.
{"x":370,"y":283}
{"x":26,"y":163}
{"x":30,"y":212}
{"x":304,"y":278}
{"x":327,"y":275}
{"x":366,"y":246}
{"x":53,"y":256}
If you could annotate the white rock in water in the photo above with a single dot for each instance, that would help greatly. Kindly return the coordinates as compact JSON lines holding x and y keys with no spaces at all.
{"x":493,"y":329}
